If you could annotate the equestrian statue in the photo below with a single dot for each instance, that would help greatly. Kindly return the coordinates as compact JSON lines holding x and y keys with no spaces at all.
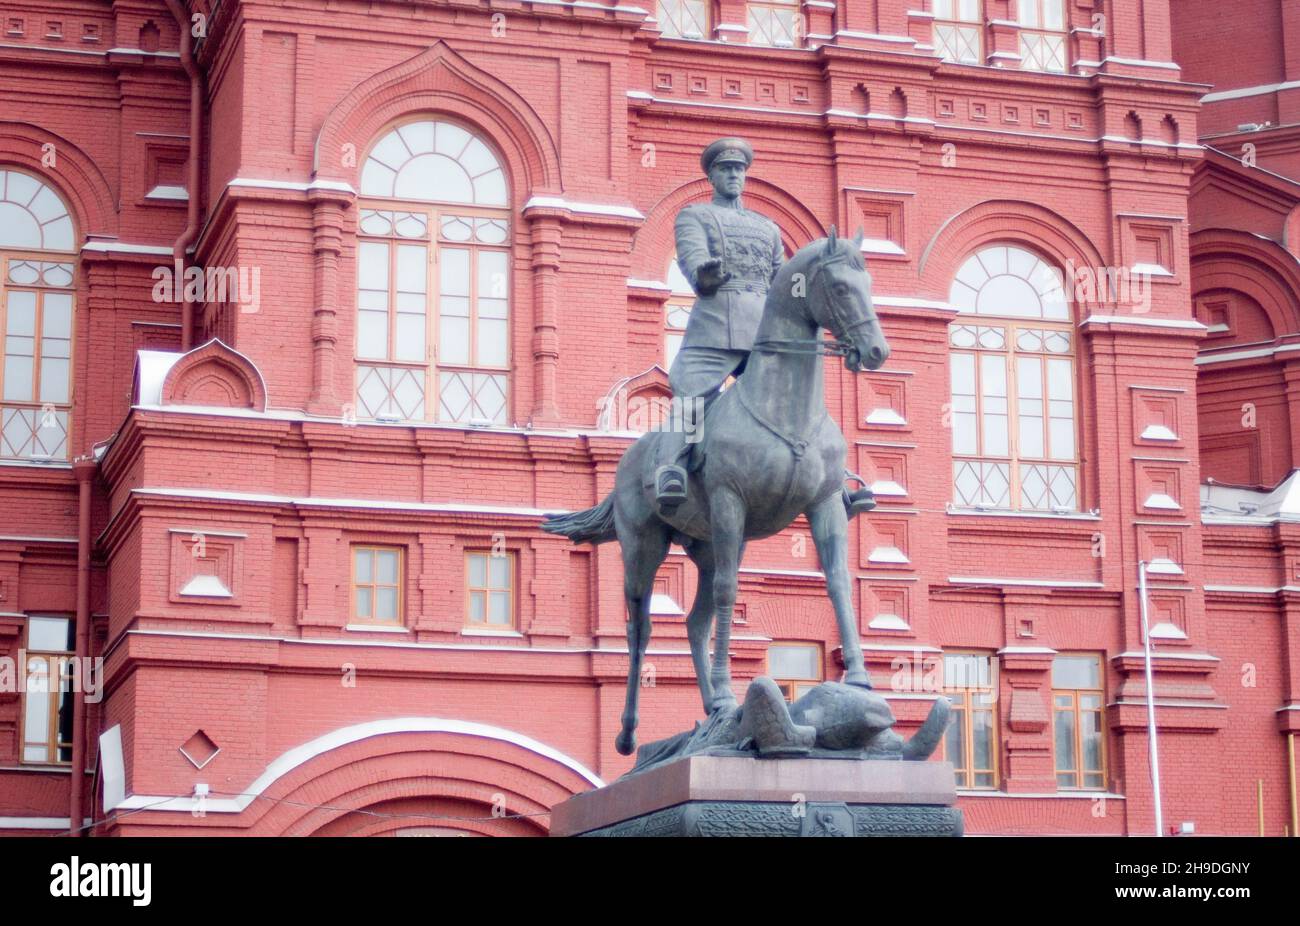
{"x":767,"y":452}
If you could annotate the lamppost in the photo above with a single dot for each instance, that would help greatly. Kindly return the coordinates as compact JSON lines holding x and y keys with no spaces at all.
{"x":1151,"y":700}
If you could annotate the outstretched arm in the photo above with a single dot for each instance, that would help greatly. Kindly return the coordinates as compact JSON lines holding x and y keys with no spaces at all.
{"x":702,"y":270}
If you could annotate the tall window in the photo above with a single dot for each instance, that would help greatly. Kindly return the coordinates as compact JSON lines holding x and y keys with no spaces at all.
{"x":677,"y":312}
{"x":776,"y":23}
{"x":376,"y":585}
{"x":47,"y":698}
{"x":684,"y":19}
{"x":491,"y":590}
{"x":796,"y":667}
{"x":1012,"y":367}
{"x":36,"y":302}
{"x":1042,"y":34}
{"x":970,"y":743}
{"x":1077,"y":723}
{"x":958,"y":26}
{"x":433,"y":331}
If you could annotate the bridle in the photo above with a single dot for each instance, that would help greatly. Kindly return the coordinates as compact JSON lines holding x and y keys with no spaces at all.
{"x":841,"y":346}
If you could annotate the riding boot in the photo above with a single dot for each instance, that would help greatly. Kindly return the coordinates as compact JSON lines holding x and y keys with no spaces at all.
{"x":671,"y":481}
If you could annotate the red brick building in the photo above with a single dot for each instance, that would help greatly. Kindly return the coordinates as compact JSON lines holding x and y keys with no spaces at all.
{"x":310,"y":310}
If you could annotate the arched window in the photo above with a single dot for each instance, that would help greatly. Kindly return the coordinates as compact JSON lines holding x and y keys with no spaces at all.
{"x":433,"y":329}
{"x":677,"y":312}
{"x":1013,"y":393}
{"x":37,"y":267}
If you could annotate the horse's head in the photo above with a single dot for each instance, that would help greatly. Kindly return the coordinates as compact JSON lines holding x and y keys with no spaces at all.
{"x":839,"y":299}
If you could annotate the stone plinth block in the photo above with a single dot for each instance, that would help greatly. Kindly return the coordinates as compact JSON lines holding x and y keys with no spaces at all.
{"x":743,"y":796}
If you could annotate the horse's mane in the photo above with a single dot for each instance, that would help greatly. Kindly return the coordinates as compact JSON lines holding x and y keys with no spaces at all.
{"x":807,"y":257}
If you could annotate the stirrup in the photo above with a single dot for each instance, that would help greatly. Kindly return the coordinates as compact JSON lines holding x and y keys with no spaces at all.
{"x":859,"y":501}
{"x":670,"y":486}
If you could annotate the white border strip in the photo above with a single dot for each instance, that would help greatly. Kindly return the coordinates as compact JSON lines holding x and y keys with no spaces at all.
{"x":1238,"y":93}
{"x":325,"y":502}
{"x":1146,"y":322}
{"x":1037,"y":583}
{"x":37,"y":823}
{"x":557,"y":202}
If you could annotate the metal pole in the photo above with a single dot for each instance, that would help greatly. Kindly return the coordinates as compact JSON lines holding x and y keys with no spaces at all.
{"x":1151,"y":702}
{"x":1290,"y":774}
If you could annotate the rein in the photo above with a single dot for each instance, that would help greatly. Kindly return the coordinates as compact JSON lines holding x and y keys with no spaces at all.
{"x":841,"y":347}
{"x":818,"y":346}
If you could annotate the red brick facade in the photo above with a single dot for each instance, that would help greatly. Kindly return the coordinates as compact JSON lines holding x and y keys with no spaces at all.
{"x":234,"y":475}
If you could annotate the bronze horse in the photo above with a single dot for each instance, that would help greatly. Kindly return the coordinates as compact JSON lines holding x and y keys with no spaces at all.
{"x":770,"y":452}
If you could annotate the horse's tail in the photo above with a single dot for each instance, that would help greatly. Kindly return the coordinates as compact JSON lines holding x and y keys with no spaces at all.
{"x":926,"y":739}
{"x":593,"y":525}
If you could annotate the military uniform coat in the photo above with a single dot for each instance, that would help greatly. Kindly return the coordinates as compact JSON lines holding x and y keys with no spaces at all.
{"x":751,"y":251}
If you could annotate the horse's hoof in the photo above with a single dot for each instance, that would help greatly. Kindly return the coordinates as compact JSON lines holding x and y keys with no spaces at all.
{"x":858,"y":678}
{"x":625,"y":743}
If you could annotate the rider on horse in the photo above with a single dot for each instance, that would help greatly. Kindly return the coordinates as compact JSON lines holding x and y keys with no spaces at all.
{"x":729,"y":255}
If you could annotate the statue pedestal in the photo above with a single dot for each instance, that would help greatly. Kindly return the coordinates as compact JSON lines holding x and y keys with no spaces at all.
{"x":704,"y":795}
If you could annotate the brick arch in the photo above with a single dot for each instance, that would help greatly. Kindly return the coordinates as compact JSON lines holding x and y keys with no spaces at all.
{"x":810,"y":618}
{"x":653,"y":244}
{"x":76,"y":178}
{"x":415,"y":772}
{"x":1260,"y":268}
{"x":440,"y":81}
{"x":1004,"y":221}
{"x":217,"y":376}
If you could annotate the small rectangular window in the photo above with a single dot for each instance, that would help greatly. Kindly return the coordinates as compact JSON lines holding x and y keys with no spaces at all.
{"x":490,"y":584}
{"x":377,"y":585}
{"x":1078,"y":725}
{"x":795,"y":667}
{"x":47,"y":691}
{"x":971,"y":741}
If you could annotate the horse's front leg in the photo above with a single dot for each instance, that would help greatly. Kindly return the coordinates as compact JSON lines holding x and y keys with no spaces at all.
{"x":727,"y":524}
{"x":830,"y":524}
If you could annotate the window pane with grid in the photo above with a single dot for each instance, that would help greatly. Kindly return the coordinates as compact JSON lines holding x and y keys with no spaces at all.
{"x":36,"y":308}
{"x":683,"y":19}
{"x":47,"y":694}
{"x":1013,"y":408}
{"x":490,"y":583}
{"x":1042,"y":50}
{"x":376,"y":585}
{"x":957,"y":30}
{"x":774,"y":24}
{"x":1078,"y":728}
{"x":970,"y":741}
{"x":432,"y":281}
{"x":1041,"y":14}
